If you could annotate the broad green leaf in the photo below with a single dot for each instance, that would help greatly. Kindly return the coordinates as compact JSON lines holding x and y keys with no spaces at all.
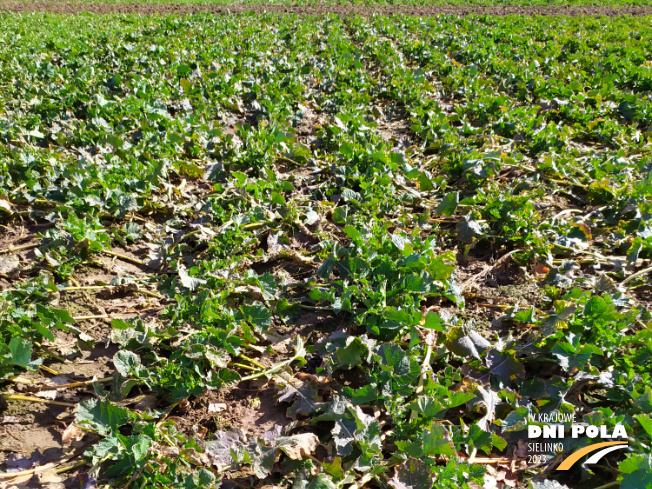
{"x":20,"y":352}
{"x":258,"y":315}
{"x":125,"y":362}
{"x":103,"y":417}
{"x":322,"y":481}
{"x":448,"y":204}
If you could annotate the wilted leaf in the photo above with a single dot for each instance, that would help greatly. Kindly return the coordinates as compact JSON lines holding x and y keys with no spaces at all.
{"x":504,"y":366}
{"x":490,"y":399}
{"x":412,"y":474}
{"x":470,"y":230}
{"x":189,"y":282}
{"x":298,"y":446}
{"x":305,"y":401}
{"x":72,"y":435}
{"x":220,"y":449}
{"x":458,"y":342}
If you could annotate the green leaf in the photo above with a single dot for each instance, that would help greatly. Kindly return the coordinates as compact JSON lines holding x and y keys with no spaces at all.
{"x":595,"y":306}
{"x":101,"y":416}
{"x":62,"y":315}
{"x":344,"y":435}
{"x":571,"y":358}
{"x":205,"y":478}
{"x":644,"y":401}
{"x":240,"y":177}
{"x":348,"y":195}
{"x":424,"y":182}
{"x":504,"y":366}
{"x":125,"y":362}
{"x":351,"y":232}
{"x":634,"y":462}
{"x":258,"y":315}
{"x":399,"y":241}
{"x":108,"y":448}
{"x":480,"y":439}
{"x":334,"y":468}
{"x":498,"y":441}
{"x":340,"y":215}
{"x":645,"y":421}
{"x":433,"y":321}
{"x":638,"y":479}
{"x":362,"y":395}
{"x":268,"y":286}
{"x":434,"y":441}
{"x":351,"y":355}
{"x":525,"y":315}
{"x":322,"y":481}
{"x":120,"y":324}
{"x":141,"y":447}
{"x":20,"y":352}
{"x":448,"y":204}
{"x":278,"y":199}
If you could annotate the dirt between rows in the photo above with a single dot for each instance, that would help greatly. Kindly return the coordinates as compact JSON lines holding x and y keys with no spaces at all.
{"x":424,"y":11}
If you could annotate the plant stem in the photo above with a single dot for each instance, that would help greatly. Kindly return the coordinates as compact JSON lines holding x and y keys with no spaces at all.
{"x":18,"y":248}
{"x":299,"y":352}
{"x":264,"y":373}
{"x":316,"y":308}
{"x":85,"y":318}
{"x":252,"y":361}
{"x":20,"y":397}
{"x":608,"y":485}
{"x":82,"y":383}
{"x":422,"y":378}
{"x":358,"y":485}
{"x":110,"y":287}
{"x":125,"y":258}
{"x":471,"y":459}
{"x":242,"y":365}
{"x":254,"y":225}
{"x":48,"y":370}
{"x":61,"y":470}
{"x":36,"y":470}
{"x":636,"y":275}
{"x":87,"y":287}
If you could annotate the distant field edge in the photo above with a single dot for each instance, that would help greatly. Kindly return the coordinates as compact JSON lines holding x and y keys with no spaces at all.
{"x":365,"y":10}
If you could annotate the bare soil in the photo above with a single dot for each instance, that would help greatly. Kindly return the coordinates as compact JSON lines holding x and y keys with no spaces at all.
{"x":551,"y":10}
{"x":250,"y":409}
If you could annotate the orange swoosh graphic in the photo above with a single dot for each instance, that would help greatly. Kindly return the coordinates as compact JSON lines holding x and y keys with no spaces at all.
{"x":568,"y":463}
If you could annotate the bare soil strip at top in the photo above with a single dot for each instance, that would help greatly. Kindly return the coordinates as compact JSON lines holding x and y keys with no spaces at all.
{"x":573,"y":11}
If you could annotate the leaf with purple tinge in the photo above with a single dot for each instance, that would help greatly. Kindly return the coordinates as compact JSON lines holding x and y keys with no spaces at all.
{"x":85,"y":481}
{"x":504,"y":366}
{"x":412,"y":474}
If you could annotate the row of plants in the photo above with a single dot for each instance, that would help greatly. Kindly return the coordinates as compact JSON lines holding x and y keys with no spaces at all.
{"x":374,"y":159}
